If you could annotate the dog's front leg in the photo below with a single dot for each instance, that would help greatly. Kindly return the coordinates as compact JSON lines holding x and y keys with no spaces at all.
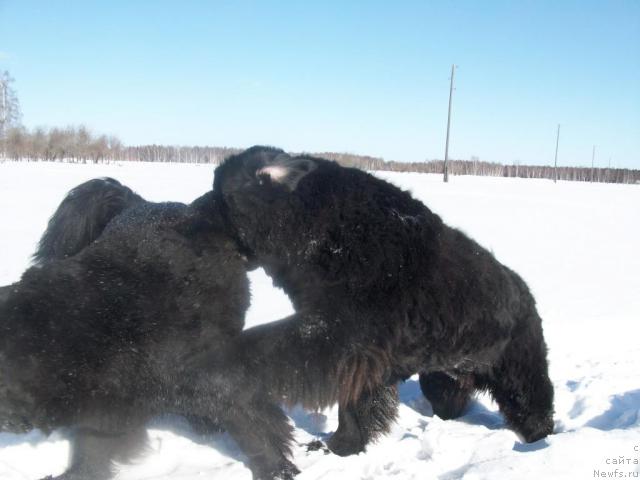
{"x":308,"y":359}
{"x":364,"y":420}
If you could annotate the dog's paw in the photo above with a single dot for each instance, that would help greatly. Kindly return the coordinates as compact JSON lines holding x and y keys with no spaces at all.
{"x":316,"y":445}
{"x":286,"y":470}
{"x":344,"y":445}
{"x":535,"y":427}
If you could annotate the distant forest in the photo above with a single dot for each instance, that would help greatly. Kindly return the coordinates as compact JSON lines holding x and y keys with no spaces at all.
{"x":79,"y":145}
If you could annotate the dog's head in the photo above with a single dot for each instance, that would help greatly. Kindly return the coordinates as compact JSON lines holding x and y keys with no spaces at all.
{"x":310,"y":213}
{"x":267,"y":167}
{"x":256,"y":190}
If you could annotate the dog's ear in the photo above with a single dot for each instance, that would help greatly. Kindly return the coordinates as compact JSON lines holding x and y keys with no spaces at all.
{"x":286,"y":170}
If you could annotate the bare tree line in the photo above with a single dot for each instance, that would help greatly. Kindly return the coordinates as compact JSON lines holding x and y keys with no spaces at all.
{"x":71,"y":144}
{"x":492,"y":169}
{"x":177,"y":154}
{"x":79,"y":145}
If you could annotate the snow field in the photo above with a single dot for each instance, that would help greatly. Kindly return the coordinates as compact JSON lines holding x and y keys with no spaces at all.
{"x":576,"y":245}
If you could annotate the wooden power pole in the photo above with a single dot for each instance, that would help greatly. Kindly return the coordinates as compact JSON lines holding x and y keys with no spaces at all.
{"x":4,"y":104}
{"x":3,"y":126}
{"x":446,"y":147}
{"x":555,"y":162}
{"x":593,"y":157}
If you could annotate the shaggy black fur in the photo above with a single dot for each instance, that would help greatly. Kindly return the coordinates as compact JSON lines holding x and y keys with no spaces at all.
{"x":95,"y":341}
{"x":82,"y":216}
{"x":383,"y":289}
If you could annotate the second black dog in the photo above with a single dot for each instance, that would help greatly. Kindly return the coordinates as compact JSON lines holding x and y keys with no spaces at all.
{"x":383,"y":289}
{"x":92,"y":338}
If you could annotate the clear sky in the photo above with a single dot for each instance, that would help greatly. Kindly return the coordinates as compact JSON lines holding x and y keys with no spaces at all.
{"x":363,"y":77}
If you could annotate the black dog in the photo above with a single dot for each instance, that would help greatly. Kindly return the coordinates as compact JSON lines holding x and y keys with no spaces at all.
{"x":93,"y":337}
{"x":383,"y":290}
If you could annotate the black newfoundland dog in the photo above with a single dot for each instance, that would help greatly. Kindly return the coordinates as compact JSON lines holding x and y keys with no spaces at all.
{"x":383,"y":289}
{"x":93,"y":336}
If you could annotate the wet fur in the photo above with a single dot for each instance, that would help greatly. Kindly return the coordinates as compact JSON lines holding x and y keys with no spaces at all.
{"x":93,"y":337}
{"x":383,"y":289}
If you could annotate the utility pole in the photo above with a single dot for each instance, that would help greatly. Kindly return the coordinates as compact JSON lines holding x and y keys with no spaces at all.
{"x":446,"y":148}
{"x":4,"y":103}
{"x":555,"y":163}
{"x":593,"y":156}
{"x":4,"y":119}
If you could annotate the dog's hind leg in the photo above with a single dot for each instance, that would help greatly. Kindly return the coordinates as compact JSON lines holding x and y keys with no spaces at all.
{"x":364,"y":420}
{"x":93,"y":452}
{"x":448,"y":396}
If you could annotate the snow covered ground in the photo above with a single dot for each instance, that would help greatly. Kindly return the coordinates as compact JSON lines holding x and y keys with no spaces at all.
{"x":577,"y":245}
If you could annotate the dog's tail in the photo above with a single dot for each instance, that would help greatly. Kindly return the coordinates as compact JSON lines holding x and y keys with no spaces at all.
{"x":82,"y":216}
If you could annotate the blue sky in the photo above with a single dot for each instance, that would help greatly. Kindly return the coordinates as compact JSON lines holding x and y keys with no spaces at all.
{"x":364,"y":77}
